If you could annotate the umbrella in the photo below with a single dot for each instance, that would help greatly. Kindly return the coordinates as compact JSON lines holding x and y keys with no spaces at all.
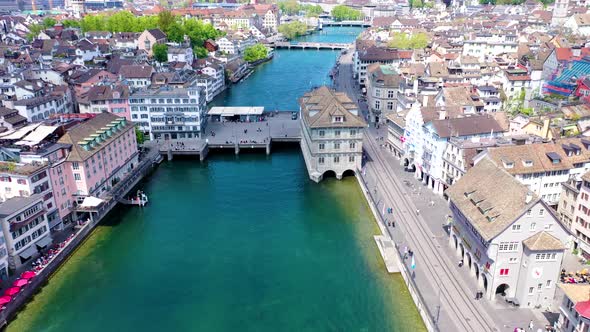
{"x":12,"y":290}
{"x":20,"y":282}
{"x":5,"y":299}
{"x":28,"y":275}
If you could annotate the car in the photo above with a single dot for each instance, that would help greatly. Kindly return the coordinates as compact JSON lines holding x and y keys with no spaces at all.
{"x":294,"y":116}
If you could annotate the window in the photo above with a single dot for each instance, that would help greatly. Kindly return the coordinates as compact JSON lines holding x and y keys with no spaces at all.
{"x":336,"y":146}
{"x":390,"y":93}
{"x":377,"y":104}
{"x":389,"y":105}
{"x":533,"y":226}
{"x":541,"y":212}
{"x":513,"y":260}
{"x":504,"y":272}
{"x":322,"y":133}
{"x":508,"y":246}
{"x":320,"y":160}
{"x":351,"y":159}
{"x":353,"y":132}
{"x":539,"y":286}
{"x":548,"y":227}
{"x":531,"y":290}
{"x":516,"y":227}
{"x":352,"y":145}
{"x":548,"y":283}
{"x":322,"y":146}
{"x":337,"y":133}
{"x":77,"y":177}
{"x":528,"y":213}
{"x":337,"y":119}
{"x":336,"y":160}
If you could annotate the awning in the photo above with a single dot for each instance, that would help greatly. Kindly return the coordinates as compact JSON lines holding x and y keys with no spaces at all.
{"x":91,"y":202}
{"x":44,"y":242}
{"x":27,"y":253}
{"x":37,"y":135}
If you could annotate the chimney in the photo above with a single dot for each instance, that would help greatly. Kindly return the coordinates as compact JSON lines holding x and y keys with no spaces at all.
{"x":529,"y":197}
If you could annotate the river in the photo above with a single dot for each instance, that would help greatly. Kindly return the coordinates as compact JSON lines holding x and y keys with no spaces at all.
{"x":237,"y":243}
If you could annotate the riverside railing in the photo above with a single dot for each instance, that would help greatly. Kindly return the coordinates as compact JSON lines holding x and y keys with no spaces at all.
{"x":427,"y":316}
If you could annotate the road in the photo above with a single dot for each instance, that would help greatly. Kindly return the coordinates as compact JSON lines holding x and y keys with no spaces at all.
{"x":449,"y":293}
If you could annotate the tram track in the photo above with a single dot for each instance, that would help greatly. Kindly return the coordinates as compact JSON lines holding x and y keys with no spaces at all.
{"x":439,"y":272}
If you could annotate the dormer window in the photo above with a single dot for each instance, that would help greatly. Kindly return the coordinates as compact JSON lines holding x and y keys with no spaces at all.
{"x":554,"y":157}
{"x":508,"y":163}
{"x":338,"y":119}
{"x":527,"y":163}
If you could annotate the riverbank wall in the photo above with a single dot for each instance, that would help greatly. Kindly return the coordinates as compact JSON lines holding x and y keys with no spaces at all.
{"x":145,"y":167}
{"x":419,"y":301}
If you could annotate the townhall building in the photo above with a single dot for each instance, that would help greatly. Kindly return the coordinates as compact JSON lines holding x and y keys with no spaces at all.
{"x":508,"y":238}
{"x":331,"y":133}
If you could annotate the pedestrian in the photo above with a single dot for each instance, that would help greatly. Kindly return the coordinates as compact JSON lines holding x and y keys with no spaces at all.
{"x":417,"y":211}
{"x":393,"y":224}
{"x":460,"y":263}
{"x":531,"y":325}
{"x":405,"y":252}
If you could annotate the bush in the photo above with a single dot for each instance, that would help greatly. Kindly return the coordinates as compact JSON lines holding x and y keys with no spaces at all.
{"x":255,"y":53}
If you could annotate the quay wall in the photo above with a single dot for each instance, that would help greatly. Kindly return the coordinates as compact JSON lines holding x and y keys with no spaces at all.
{"x":427,"y":316}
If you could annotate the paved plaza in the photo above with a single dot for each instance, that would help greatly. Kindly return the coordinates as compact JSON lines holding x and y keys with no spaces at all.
{"x":279,"y":125}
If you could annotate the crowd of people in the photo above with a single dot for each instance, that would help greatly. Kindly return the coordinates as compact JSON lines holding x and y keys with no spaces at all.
{"x":40,"y":263}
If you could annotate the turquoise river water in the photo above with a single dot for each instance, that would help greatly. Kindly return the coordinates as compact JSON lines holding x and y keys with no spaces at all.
{"x":242,"y":243}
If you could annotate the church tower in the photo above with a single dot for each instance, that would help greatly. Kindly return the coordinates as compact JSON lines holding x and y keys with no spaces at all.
{"x":559,"y":12}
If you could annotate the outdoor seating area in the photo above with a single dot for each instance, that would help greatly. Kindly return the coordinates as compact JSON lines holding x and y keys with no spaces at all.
{"x":578,"y":277}
{"x":17,"y":287}
{"x":40,"y":263}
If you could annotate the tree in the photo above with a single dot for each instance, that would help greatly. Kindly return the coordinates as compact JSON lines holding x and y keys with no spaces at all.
{"x":34,"y":30}
{"x":70,"y":23}
{"x":289,"y":7}
{"x":293,"y":29}
{"x":255,"y":52}
{"x":175,"y":32}
{"x":165,"y":20}
{"x":160,"y":52}
{"x":140,"y":136}
{"x":200,"y":52}
{"x":312,"y":11}
{"x":49,"y":22}
{"x":342,"y":13}
{"x":405,"y":42}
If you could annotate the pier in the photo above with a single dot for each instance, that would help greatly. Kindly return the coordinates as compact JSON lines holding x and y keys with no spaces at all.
{"x":309,"y":45}
{"x":275,"y":128}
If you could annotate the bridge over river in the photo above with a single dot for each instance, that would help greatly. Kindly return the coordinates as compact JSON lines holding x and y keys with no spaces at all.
{"x":317,"y":46}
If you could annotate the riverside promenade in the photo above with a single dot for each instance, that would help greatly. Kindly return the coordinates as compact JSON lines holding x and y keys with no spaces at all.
{"x":447,"y":290}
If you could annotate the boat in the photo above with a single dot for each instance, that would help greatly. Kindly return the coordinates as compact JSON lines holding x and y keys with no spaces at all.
{"x":140,"y":199}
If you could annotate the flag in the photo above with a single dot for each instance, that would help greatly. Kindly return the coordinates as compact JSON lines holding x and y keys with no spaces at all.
{"x":413,"y":263}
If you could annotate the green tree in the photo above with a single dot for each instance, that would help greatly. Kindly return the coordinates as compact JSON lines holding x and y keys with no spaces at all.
{"x":49,"y":22}
{"x":405,"y":42}
{"x":289,"y":7}
{"x":175,"y":32}
{"x":255,"y":52}
{"x":34,"y":30}
{"x":70,"y":23}
{"x":160,"y":52}
{"x":200,"y":52}
{"x":293,"y":29}
{"x":342,"y":13}
{"x":165,"y":20}
{"x":140,"y":136}
{"x":312,"y":11}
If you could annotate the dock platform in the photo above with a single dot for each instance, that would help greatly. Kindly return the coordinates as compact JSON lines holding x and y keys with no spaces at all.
{"x":277,"y":127}
{"x":388,"y":252}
